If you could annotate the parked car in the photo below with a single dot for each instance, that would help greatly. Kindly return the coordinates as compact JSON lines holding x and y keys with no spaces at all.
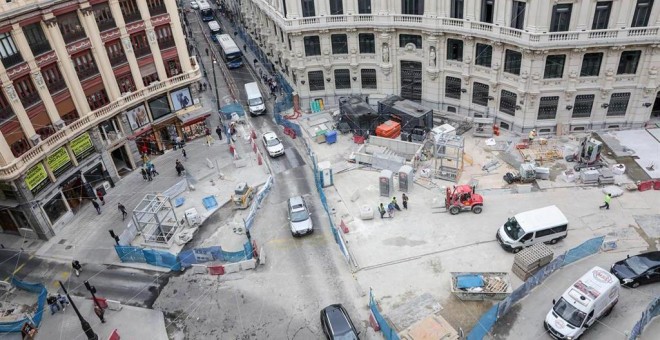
{"x":300,"y":219}
{"x":337,"y":324}
{"x":194,"y":4}
{"x":273,"y":144}
{"x":638,"y":270}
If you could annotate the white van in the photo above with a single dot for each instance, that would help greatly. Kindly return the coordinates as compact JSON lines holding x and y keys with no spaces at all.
{"x":591,"y":297}
{"x":254,"y":99}
{"x":527,"y":228}
{"x":214,"y":27}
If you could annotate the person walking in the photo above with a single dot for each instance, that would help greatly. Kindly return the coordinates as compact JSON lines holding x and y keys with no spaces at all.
{"x":179,"y":167}
{"x":63,"y":301}
{"x":607,"y":200}
{"x":122,"y":209}
{"x":396,"y":205}
{"x":52,"y":303}
{"x":218,"y":130}
{"x":96,"y":206}
{"x":144,"y":173}
{"x":381,"y":210}
{"x":77,"y":267}
{"x":404,"y":200}
{"x":185,"y":156}
{"x":390,"y":210}
{"x":99,"y":312}
{"x":209,"y":140}
{"x":146,"y":169}
{"x":99,"y":194}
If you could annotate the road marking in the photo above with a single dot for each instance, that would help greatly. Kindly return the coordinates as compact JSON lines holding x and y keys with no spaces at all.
{"x":18,"y":269}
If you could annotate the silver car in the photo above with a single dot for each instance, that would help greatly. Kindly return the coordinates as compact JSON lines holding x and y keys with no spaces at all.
{"x":300,"y":219}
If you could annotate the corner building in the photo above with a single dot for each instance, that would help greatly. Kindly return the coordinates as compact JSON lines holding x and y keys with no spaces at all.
{"x":86,"y":87}
{"x":557,"y":66}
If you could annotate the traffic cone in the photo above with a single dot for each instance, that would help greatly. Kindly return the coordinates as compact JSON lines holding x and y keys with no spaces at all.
{"x":259,"y":160}
{"x":231,"y":148}
{"x":254,"y":135}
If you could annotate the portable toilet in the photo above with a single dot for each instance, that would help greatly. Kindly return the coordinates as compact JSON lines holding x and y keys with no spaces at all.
{"x":325,"y":173}
{"x":331,"y":137}
{"x":386,"y":180}
{"x":405,"y":178}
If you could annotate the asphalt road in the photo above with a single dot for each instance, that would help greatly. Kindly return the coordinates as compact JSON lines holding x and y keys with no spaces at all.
{"x":129,"y":286}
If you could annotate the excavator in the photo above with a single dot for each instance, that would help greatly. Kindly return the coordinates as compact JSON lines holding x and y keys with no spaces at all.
{"x":587,"y":155}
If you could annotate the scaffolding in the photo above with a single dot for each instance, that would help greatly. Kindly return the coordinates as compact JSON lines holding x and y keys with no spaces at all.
{"x":155,"y":219}
{"x":448,"y":157}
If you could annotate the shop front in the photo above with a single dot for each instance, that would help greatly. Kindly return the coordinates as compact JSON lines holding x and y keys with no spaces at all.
{"x":193,"y":124}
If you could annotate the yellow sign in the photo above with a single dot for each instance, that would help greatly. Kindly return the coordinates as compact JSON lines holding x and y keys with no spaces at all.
{"x":81,"y":144}
{"x":58,"y":159}
{"x":35,"y":176}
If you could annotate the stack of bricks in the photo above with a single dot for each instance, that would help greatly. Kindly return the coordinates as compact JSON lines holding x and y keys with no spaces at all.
{"x":529,"y":260}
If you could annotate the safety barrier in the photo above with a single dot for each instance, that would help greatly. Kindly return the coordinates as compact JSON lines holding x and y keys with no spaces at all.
{"x":388,"y":331}
{"x":488,"y":319}
{"x":651,"y":312}
{"x":265,"y":189}
{"x":42,"y":294}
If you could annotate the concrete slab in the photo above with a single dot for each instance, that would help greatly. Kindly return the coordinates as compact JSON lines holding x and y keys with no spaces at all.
{"x":645,"y":146}
{"x":413,"y":310}
{"x":650,"y":224}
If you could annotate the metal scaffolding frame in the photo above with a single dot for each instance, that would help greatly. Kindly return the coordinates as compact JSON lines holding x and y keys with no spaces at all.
{"x":155,"y":219}
{"x":448,"y":157}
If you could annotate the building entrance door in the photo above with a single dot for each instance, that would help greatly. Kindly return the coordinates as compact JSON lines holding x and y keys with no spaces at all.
{"x":411,"y":80}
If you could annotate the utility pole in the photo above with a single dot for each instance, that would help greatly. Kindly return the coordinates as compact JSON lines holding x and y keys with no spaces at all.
{"x":89,"y":332}
{"x":92,"y":290}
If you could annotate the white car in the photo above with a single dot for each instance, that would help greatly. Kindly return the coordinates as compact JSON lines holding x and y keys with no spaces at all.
{"x":272,"y":144}
{"x":300,"y":219}
{"x":194,"y":4}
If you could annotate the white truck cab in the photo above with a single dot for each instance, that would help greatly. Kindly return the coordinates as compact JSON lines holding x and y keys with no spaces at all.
{"x":588,"y":299}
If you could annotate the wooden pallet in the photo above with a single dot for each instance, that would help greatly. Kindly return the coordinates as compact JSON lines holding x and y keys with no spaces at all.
{"x":494,"y":285}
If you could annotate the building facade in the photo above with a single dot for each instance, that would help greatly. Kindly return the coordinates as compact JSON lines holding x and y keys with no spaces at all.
{"x":87,"y":86}
{"x":557,"y":66}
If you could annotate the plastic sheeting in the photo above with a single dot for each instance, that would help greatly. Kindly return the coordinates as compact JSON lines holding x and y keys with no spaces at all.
{"x":37,"y":288}
{"x":651,"y":312}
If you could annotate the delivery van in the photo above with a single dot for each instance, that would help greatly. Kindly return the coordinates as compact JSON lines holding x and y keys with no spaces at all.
{"x":547,"y":225}
{"x":254,"y":99}
{"x":590,"y":298}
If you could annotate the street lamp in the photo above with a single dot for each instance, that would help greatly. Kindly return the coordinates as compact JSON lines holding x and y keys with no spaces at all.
{"x":92,"y":290}
{"x":215,"y":82}
{"x":89,"y":332}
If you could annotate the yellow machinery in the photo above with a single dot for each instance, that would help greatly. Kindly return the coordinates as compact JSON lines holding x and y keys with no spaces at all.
{"x":242,"y":196}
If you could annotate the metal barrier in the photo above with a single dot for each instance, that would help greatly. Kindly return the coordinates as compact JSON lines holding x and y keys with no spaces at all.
{"x":651,"y":312}
{"x":42,"y":294}
{"x":265,"y":189}
{"x":185,"y":259}
{"x":388,"y":331}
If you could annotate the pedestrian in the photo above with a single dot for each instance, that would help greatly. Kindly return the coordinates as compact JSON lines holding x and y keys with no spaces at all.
{"x":205,"y":86}
{"x":99,"y":194}
{"x":404,"y":200}
{"x":607,"y":200}
{"x":218,"y":130}
{"x":207,"y":51}
{"x":122,"y":208}
{"x":179,"y":167}
{"x":390,"y":210}
{"x":396,"y":205}
{"x":154,"y":173}
{"x":96,"y":206}
{"x":145,"y":158}
{"x":77,"y":267}
{"x":381,"y":210}
{"x":244,"y":47}
{"x":531,"y":136}
{"x":185,"y":156}
{"x":146,"y":169}
{"x":52,"y":303}
{"x":63,"y":301}
{"x":99,"y":312}
{"x":144,"y":173}
{"x":179,"y":141}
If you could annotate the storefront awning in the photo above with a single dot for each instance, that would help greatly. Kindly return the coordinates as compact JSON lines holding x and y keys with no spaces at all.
{"x":193,"y":116}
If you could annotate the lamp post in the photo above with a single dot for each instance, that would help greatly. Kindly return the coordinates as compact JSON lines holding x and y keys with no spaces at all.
{"x":89,"y":332}
{"x":215,"y":82}
{"x":92,"y":290}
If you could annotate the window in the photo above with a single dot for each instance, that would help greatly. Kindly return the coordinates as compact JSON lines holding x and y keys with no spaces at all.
{"x":85,"y":65}
{"x":53,"y":78}
{"x":284,"y":7}
{"x":130,"y":10}
{"x":548,"y":107}
{"x":618,"y":104}
{"x":555,"y":230}
{"x":583,"y":105}
{"x":413,"y":7}
{"x":6,"y":111}
{"x":642,"y":13}
{"x":342,"y":79}
{"x":312,"y":46}
{"x":456,"y":9}
{"x":336,"y":7}
{"x":518,"y":15}
{"x":173,"y":67}
{"x":150,"y":78}
{"x":164,"y":36}
{"x":126,"y":83}
{"x":339,"y":44}
{"x":405,"y":39}
{"x":8,"y":51}
{"x":159,"y":107}
{"x":115,"y":52}
{"x":454,"y":49}
{"x":487,"y":7}
{"x":484,"y":55}
{"x":512,"y":61}
{"x":480,"y":94}
{"x":628,"y":62}
{"x":367,"y":43}
{"x":368,"y":77}
{"x":561,"y":17}
{"x":55,"y":208}
{"x":364,"y":6}
{"x":103,"y":16}
{"x":591,"y":64}
{"x":26,"y":91}
{"x":453,"y":88}
{"x":308,"y":8}
{"x":156,"y":7}
{"x":36,"y":39}
{"x":98,"y":99}
{"x":140,"y":44}
{"x":602,"y":15}
{"x":316,"y":81}
{"x":554,"y":66}
{"x":508,"y":102}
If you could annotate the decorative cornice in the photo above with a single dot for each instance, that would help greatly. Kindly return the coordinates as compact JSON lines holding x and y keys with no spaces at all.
{"x":14,"y":71}
{"x":78,"y":46}
{"x":45,"y":58}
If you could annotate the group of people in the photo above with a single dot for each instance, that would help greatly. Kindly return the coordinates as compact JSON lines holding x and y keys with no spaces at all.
{"x":57,"y":303}
{"x":393,"y":205}
{"x":149,"y":171}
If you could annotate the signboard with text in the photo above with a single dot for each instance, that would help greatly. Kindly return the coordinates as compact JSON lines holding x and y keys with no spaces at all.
{"x":82,"y":146}
{"x":36,"y":178}
{"x":58,"y":161}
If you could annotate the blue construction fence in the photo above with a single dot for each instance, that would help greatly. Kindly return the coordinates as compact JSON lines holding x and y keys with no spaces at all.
{"x":42,"y":294}
{"x":652,"y":310}
{"x":388,"y":332}
{"x":488,"y":319}
{"x":185,"y":259}
{"x":256,"y":203}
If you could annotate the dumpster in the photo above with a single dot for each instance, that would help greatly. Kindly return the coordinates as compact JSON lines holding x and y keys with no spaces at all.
{"x":331,"y":137}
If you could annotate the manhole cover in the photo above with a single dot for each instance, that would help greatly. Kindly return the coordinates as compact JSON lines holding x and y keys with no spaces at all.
{"x":62,"y":241}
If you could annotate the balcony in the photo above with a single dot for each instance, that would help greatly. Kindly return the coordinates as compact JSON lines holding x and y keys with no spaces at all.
{"x":160,"y":9}
{"x":40,"y":48}
{"x":166,"y":43}
{"x":89,"y":71}
{"x":132,"y":17}
{"x":12,"y":60}
{"x":74,"y":36}
{"x":56,"y":85}
{"x":21,"y":164}
{"x":106,"y":25}
{"x":30,"y":99}
{"x":141,"y":51}
{"x":117,"y":59}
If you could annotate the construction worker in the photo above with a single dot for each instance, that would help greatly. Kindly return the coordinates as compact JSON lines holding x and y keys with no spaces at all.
{"x":607,"y":200}
{"x":531,"y":136}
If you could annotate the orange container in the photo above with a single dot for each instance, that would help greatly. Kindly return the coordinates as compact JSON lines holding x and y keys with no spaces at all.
{"x":389,"y":129}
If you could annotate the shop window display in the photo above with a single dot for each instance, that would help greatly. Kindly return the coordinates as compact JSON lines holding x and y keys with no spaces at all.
{"x":195,"y":130}
{"x":55,"y":208}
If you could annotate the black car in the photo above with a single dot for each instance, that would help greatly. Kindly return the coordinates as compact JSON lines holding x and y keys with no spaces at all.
{"x":638,"y":270}
{"x":337,"y":324}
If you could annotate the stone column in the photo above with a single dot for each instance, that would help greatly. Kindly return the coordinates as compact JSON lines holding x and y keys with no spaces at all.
{"x":501,"y":14}
{"x":126,"y":42}
{"x":66,"y":65}
{"x":23,"y":46}
{"x":6,"y":156}
{"x":100,"y":54}
{"x":532,"y":22}
{"x":179,"y":36}
{"x":584,"y":14}
{"x":151,"y":37}
{"x":16,"y":105}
